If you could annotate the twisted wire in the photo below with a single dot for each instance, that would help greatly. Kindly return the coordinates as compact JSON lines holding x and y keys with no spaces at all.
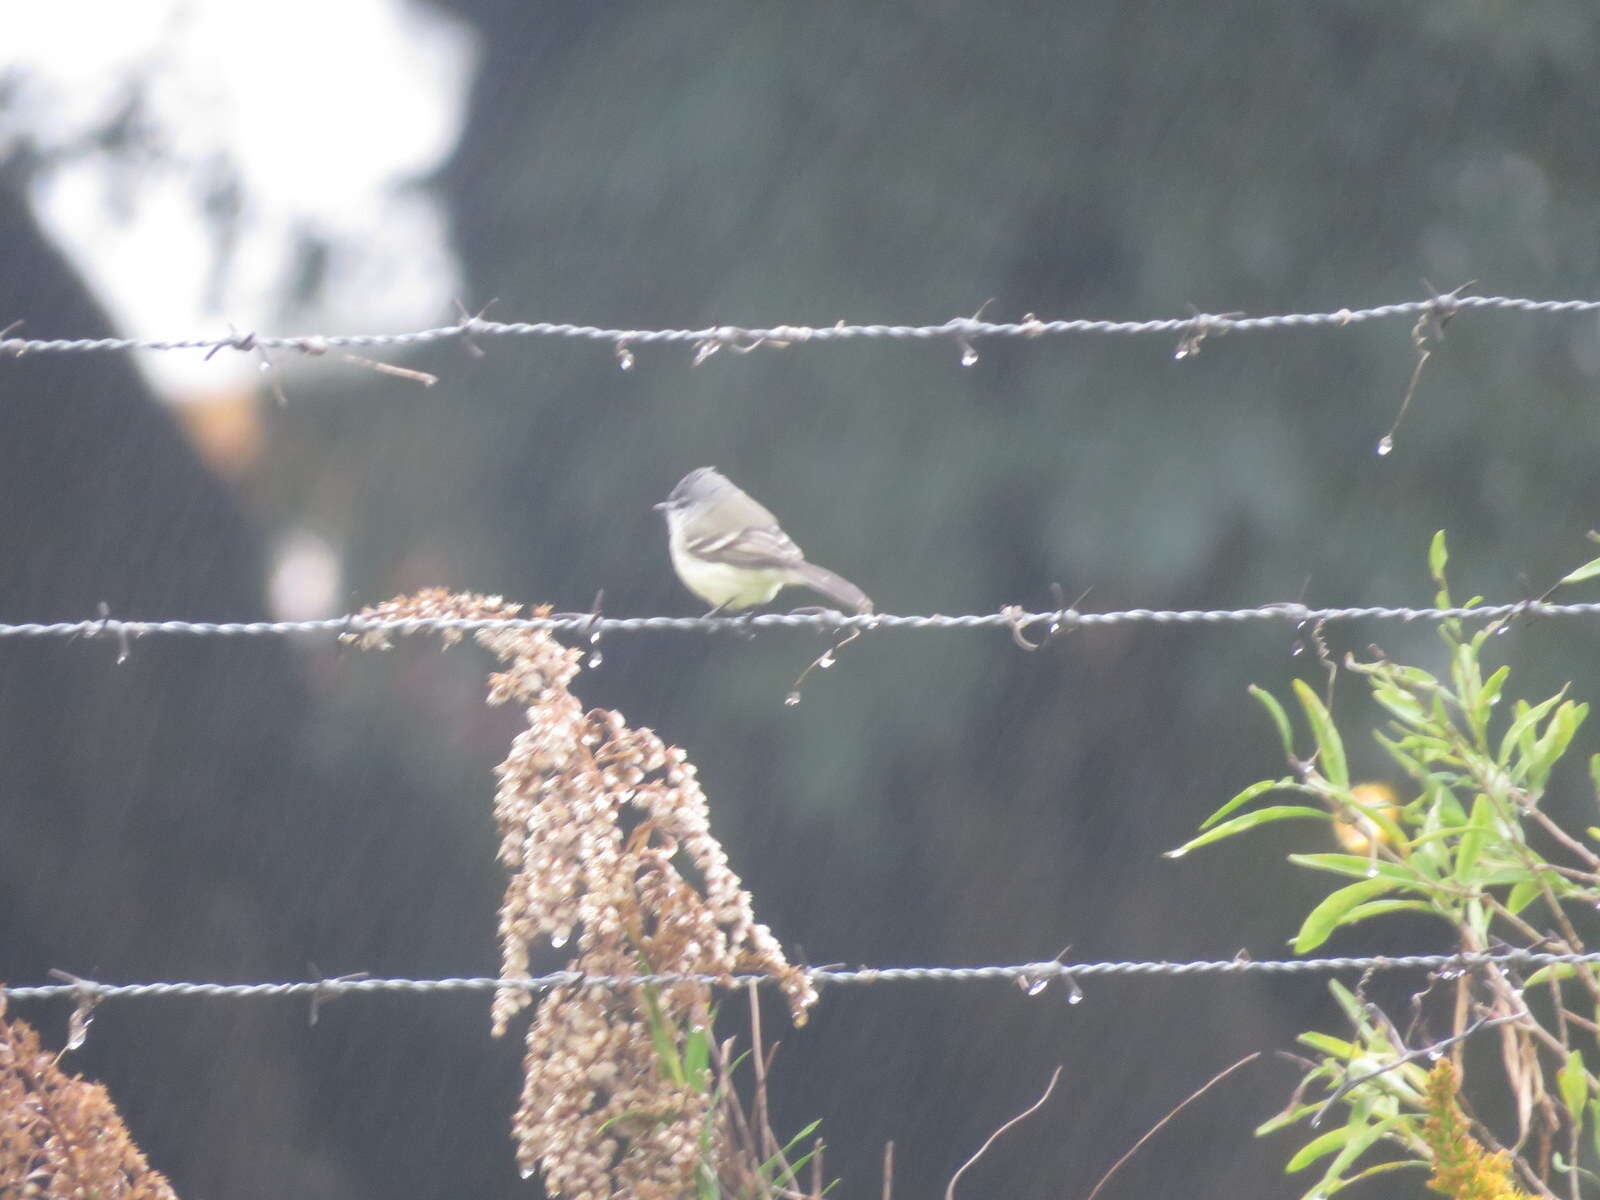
{"x":736,"y":337}
{"x":1033,"y":975}
{"x":1011,"y":617}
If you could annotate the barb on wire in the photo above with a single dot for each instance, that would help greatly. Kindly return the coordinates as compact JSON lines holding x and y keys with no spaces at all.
{"x":1199,"y":327}
{"x":1426,"y":335}
{"x":1060,"y":621}
{"x":324,"y":989}
{"x":708,"y":340}
{"x":82,"y":1012}
{"x":469,"y":322}
{"x":101,"y":626}
{"x":1010,"y":619}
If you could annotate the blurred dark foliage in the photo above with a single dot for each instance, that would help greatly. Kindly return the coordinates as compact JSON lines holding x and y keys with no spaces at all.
{"x":226,"y":810}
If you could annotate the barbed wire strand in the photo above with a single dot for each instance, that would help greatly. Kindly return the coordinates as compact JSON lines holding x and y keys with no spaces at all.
{"x":1012,"y":617}
{"x":713,"y":337}
{"x":1033,"y":975}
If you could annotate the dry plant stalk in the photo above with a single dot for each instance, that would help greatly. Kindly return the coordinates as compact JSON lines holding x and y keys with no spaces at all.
{"x":605,"y":832}
{"x":60,"y":1136}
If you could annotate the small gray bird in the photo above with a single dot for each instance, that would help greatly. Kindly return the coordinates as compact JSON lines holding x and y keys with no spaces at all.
{"x":732,"y":553}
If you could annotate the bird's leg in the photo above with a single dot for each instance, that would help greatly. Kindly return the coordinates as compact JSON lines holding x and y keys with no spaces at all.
{"x":741,"y":626}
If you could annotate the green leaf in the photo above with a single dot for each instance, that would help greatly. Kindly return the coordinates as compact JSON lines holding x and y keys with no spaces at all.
{"x":1492,"y":687}
{"x":1244,"y":797}
{"x":1552,"y":744}
{"x":1444,"y":802}
{"x":1290,"y":1116}
{"x":1321,"y":1147}
{"x":1476,"y":918}
{"x":1588,"y":571}
{"x":1403,"y":706}
{"x":1261,"y":816}
{"x":1353,"y":1009}
{"x":1553,"y":971}
{"x":1417,"y":678}
{"x":802,"y":1135}
{"x":1465,"y":675}
{"x":1377,"y":908}
{"x":1327,"y":916}
{"x":1438,"y":556}
{"x":794,"y":1167}
{"x":1443,"y":833}
{"x":1358,"y":866}
{"x":1333,"y":1177}
{"x":1519,"y":733}
{"x":777,"y":1164}
{"x":1328,"y":1044}
{"x":1573,"y":1081}
{"x":1280,"y":719}
{"x":697,"y":1057}
{"x":1409,"y":763}
{"x":1330,"y":748}
{"x":1479,"y":826}
{"x":1523,"y":894}
{"x":661,"y":1038}
{"x":1399,"y":1164}
{"x":1484,"y":703}
{"x":1594,"y":1123}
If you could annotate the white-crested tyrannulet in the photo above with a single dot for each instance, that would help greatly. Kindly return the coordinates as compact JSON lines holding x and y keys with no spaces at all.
{"x":731,"y":552}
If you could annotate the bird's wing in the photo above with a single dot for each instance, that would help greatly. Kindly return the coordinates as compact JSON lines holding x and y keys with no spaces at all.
{"x":756,"y":546}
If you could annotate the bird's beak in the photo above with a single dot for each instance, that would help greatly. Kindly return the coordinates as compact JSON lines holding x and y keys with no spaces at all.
{"x":661,"y":506}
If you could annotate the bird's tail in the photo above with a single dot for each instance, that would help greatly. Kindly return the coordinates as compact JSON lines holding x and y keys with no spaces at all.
{"x":835,"y":587}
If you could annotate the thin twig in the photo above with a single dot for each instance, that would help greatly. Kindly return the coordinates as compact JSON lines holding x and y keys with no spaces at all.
{"x":770,"y":1148}
{"x":730,"y":1100}
{"x":1159,"y":1125}
{"x":423,"y":377}
{"x":950,"y":1190}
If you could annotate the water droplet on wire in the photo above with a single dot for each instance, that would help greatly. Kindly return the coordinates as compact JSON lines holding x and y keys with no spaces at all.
{"x":1033,"y":984}
{"x":558,"y":940}
{"x":1385,"y":445}
{"x":792,"y":699}
{"x":595,"y":659}
{"x":826,"y":661}
{"x":969,"y":356}
{"x":78,"y":1024}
